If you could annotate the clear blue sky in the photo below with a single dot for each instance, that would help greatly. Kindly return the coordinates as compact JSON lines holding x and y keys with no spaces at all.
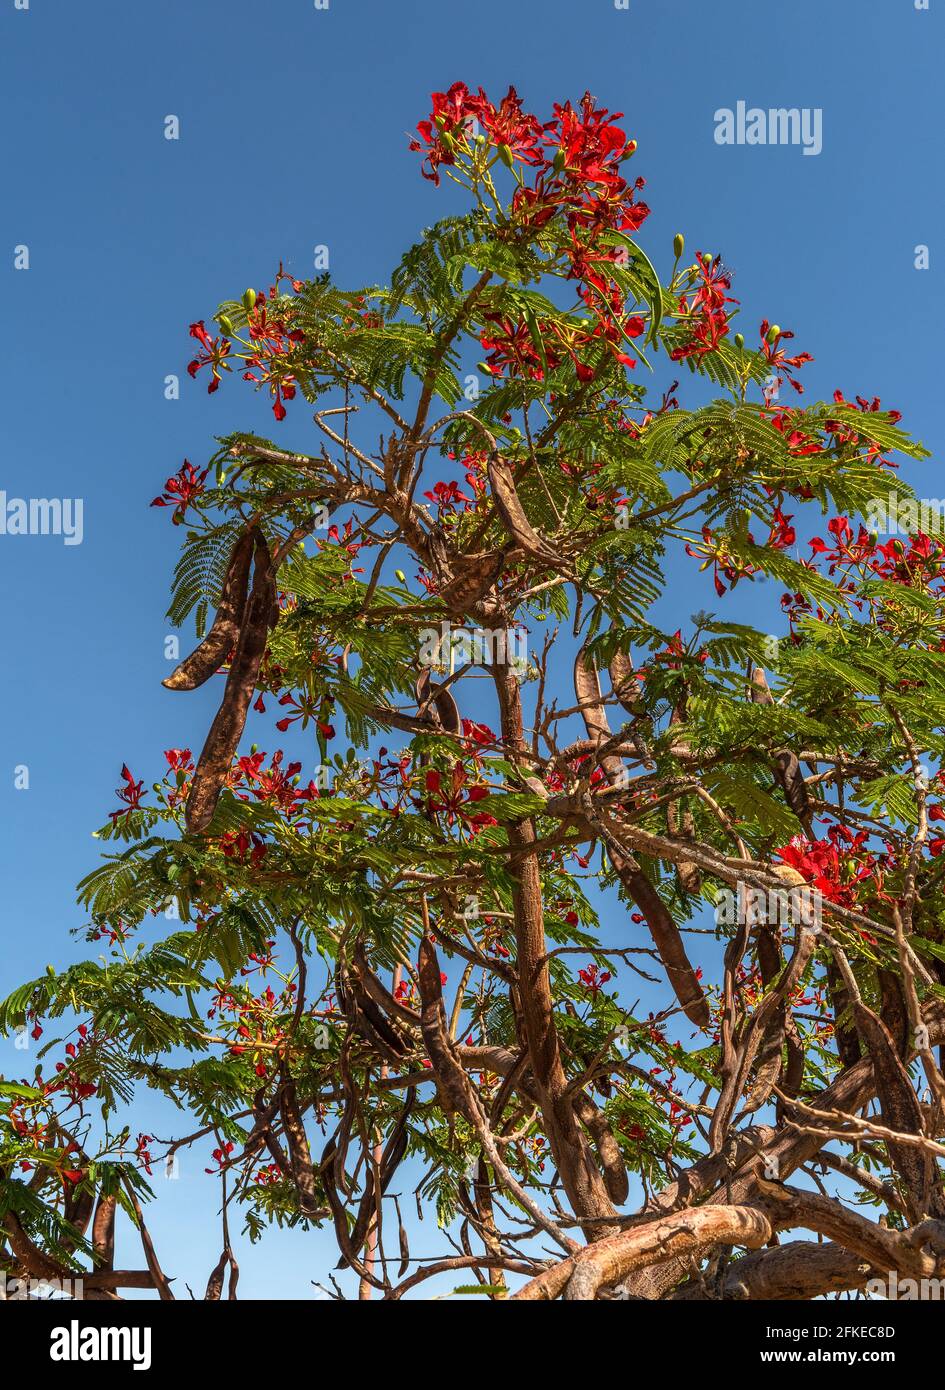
{"x":293,"y":125}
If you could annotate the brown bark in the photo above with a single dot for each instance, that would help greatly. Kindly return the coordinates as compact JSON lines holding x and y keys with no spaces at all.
{"x":569,"y":1147}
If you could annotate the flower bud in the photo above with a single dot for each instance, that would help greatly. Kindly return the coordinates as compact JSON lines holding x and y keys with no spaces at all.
{"x":707,"y":259}
{"x":739,"y":340}
{"x":225,"y":325}
{"x":774,"y":333}
{"x":399,"y":574}
{"x":505,"y":154}
{"x":249,"y":301}
{"x":679,"y":245}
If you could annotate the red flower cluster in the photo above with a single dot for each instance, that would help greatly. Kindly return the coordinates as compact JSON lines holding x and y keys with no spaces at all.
{"x":704,"y":311}
{"x":273,"y":341}
{"x":446,"y":496}
{"x":835,"y":866}
{"x":922,"y":558}
{"x":276,"y":784}
{"x":455,"y":797}
{"x":593,"y":978}
{"x":181,"y":490}
{"x":576,"y":159}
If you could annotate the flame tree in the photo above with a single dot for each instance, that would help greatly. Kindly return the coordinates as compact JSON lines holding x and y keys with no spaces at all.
{"x":405,"y":953}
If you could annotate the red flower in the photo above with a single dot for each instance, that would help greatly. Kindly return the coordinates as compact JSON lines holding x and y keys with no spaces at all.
{"x":446,"y":496}
{"x":780,"y":363}
{"x":594,"y":978}
{"x":455,"y":798}
{"x":130,"y":793}
{"x":181,"y":490}
{"x":213,"y":354}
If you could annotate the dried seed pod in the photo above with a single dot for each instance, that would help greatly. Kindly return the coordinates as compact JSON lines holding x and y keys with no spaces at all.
{"x":587,"y":691}
{"x":447,"y":710}
{"x":451,"y":1083}
{"x":513,"y":513}
{"x":202,"y":663}
{"x":787,"y":769}
{"x":472,"y":578}
{"x":662,"y":928}
{"x":681,"y":825}
{"x":611,"y":1161}
{"x":403,"y":1242}
{"x":303,"y":1173}
{"x":225,"y":732}
{"x":901,"y":1112}
{"x":215,"y":1282}
{"x":625,"y":683}
{"x":845,"y":1035}
{"x":667,"y":940}
{"x":103,"y":1231}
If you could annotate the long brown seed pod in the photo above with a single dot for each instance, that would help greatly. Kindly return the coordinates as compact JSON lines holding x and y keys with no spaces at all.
{"x":303,"y":1173}
{"x":662,"y":928}
{"x":103,"y":1232}
{"x":225,"y":731}
{"x":680,"y":824}
{"x":625,"y":683}
{"x":513,"y":513}
{"x":443,"y":703}
{"x":902,"y":1112}
{"x":611,"y":1161}
{"x":787,"y":769}
{"x":202,"y":663}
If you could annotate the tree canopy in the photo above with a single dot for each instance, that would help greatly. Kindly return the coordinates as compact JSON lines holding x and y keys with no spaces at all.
{"x":398,"y":960}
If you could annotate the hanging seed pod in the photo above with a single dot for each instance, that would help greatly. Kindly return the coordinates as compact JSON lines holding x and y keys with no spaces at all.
{"x":513,"y":513}
{"x":215,"y":1282}
{"x":403,"y":1242}
{"x":587,"y":690}
{"x":296,"y":1139}
{"x":225,"y":732}
{"x":447,"y":710}
{"x":681,"y":825}
{"x":103,"y":1232}
{"x":472,"y":578}
{"x":452,"y":1086}
{"x":625,"y":683}
{"x":667,"y":940}
{"x":609,"y":1156}
{"x":787,"y":769}
{"x":224,"y":634}
{"x":662,"y":928}
{"x":901,"y":1112}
